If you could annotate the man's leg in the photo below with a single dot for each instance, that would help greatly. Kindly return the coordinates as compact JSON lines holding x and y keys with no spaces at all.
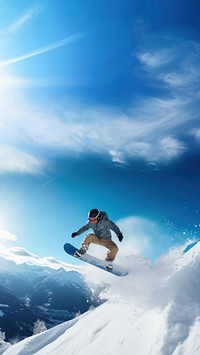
{"x":113,"y":249}
{"x":109,"y":244}
{"x":90,"y":238}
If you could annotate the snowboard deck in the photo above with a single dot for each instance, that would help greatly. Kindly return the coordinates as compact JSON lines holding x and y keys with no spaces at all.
{"x":90,"y":259}
{"x":189,"y":246}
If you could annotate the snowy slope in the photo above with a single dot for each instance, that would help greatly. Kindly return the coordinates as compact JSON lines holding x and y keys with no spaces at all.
{"x":31,"y":291}
{"x":155,"y":310}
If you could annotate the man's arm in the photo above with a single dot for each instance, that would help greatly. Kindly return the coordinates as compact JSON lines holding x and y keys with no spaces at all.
{"x":81,"y":230}
{"x":114,"y":227}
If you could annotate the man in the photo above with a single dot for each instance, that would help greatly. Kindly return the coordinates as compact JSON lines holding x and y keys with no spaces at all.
{"x":101,"y":225}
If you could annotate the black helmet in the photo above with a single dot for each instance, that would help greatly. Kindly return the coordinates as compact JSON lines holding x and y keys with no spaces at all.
{"x":94,"y":213}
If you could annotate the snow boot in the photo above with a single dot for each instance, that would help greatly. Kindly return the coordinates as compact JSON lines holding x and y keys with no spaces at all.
{"x":81,"y":251}
{"x":109,"y":265}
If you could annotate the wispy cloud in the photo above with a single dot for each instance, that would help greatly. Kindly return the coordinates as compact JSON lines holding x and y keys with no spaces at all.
{"x":156,"y":58}
{"x":177,"y":65}
{"x":21,"y":255}
{"x":44,"y":49}
{"x":22,"y":20}
{"x":7,"y":236}
{"x":156,"y":130}
{"x":196,"y":133}
{"x":23,"y":252}
{"x":148,"y":133}
{"x":18,"y":160}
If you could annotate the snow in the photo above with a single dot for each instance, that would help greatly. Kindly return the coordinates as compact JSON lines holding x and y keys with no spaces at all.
{"x":154,"y":310}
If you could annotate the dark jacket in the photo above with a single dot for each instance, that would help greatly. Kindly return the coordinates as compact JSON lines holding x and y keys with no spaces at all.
{"x":101,"y":228}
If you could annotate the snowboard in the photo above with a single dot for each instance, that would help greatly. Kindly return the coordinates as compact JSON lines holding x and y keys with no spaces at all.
{"x":90,"y":259}
{"x":189,"y":246}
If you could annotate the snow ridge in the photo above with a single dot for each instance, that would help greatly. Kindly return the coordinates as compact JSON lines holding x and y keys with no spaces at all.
{"x":154,"y":310}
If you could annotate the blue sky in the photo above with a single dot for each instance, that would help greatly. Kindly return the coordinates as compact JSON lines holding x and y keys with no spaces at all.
{"x":99,"y":108}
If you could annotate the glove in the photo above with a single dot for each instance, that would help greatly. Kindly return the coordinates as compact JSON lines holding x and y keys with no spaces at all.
{"x":120,"y":237}
{"x":74,"y":235}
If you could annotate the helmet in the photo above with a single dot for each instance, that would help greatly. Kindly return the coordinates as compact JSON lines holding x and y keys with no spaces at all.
{"x":94,"y":213}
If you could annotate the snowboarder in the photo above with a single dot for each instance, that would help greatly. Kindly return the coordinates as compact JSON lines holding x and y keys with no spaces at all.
{"x":101,"y":225}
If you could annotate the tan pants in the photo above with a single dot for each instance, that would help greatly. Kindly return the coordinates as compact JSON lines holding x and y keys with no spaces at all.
{"x":109,"y":244}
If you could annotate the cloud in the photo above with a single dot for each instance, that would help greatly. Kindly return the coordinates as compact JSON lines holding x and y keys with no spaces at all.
{"x":171,"y":147}
{"x":155,"y":130}
{"x":22,"y":252}
{"x":33,"y":133}
{"x":140,"y":235}
{"x":156,"y":59}
{"x":196,"y":133}
{"x":13,"y":29}
{"x":117,"y":157}
{"x":21,"y":255}
{"x":44,"y":49}
{"x":16,"y":160}
{"x":7,"y":236}
{"x":136,"y":232}
{"x":174,"y":63}
{"x":22,"y":20}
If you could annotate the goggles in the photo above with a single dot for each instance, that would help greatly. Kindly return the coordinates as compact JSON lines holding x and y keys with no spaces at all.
{"x":92,"y":219}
